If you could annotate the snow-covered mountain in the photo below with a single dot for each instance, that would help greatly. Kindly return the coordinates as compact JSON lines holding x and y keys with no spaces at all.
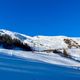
{"x":41,"y":43}
{"x":60,"y":50}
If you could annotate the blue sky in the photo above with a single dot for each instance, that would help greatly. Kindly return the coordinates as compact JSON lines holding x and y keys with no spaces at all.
{"x":41,"y":17}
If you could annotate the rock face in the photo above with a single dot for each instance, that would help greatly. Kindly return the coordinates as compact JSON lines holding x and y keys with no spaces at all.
{"x":71,"y":43}
{"x":7,"y":42}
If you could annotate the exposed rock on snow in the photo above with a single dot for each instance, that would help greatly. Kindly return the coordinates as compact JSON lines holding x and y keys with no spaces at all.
{"x":6,"y":41}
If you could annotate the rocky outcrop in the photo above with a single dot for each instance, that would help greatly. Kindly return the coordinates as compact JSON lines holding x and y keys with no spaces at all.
{"x":62,"y":52}
{"x":7,"y":42}
{"x":71,"y":43}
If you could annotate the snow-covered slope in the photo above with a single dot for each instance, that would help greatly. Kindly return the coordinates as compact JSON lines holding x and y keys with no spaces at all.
{"x":60,"y":50}
{"x":41,"y":43}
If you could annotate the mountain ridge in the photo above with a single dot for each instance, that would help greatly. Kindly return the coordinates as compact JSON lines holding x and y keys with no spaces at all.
{"x":61,"y":45}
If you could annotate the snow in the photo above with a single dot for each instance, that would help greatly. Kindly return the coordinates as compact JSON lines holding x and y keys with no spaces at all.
{"x":49,"y":42}
{"x":38,"y":42}
{"x":2,"y":31}
{"x":41,"y":56}
{"x":75,"y":53}
{"x":41,"y":43}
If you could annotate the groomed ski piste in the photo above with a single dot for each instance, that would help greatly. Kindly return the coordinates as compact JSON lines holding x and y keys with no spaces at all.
{"x":57,"y":50}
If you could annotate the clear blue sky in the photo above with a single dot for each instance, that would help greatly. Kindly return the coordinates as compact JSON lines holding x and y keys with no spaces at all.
{"x":41,"y":17}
